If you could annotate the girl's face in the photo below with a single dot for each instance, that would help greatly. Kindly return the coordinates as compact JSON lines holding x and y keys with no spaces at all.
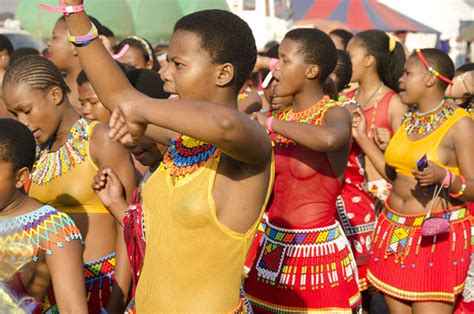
{"x":91,"y":107}
{"x":60,"y":50}
{"x":37,"y":109}
{"x":290,"y":69}
{"x":134,"y":57}
{"x":189,"y":71}
{"x":359,"y":58}
{"x":413,"y":81}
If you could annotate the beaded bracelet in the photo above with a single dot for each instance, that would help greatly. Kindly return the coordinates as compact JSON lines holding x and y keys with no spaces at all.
{"x":448,"y":179}
{"x":66,"y":10}
{"x":84,"y":40}
{"x":461,"y":191}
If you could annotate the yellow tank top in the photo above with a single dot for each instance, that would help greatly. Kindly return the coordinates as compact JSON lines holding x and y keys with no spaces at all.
{"x":403,"y":153}
{"x":63,"y":178}
{"x":193,"y":263}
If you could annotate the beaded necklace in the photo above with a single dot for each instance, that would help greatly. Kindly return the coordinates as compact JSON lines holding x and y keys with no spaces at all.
{"x":313,"y":115}
{"x":187,"y":155}
{"x":50,"y":165}
{"x":377,"y":93}
{"x":422,"y":123}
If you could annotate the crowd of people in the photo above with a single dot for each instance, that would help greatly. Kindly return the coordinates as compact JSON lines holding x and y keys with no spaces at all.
{"x":202,"y":176}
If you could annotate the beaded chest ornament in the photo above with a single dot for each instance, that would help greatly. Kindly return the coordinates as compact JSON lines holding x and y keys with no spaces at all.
{"x":313,"y":115}
{"x":422,"y":123}
{"x":50,"y":165}
{"x":187,"y":155}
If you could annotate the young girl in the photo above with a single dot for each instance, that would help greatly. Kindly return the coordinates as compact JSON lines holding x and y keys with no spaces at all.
{"x":420,"y":264}
{"x":70,"y":151}
{"x":44,"y":242}
{"x":216,"y":178}
{"x":138,"y":53}
{"x":377,"y":64}
{"x":304,"y":262}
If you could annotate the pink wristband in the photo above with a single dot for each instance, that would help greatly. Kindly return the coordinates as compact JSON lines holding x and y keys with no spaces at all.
{"x":66,"y":10}
{"x":269,"y":125}
{"x":273,"y":62}
{"x":447,"y":179}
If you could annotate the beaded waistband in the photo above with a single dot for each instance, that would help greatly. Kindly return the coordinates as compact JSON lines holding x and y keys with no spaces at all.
{"x":451,"y":214}
{"x":303,"y":236}
{"x":100,"y":268}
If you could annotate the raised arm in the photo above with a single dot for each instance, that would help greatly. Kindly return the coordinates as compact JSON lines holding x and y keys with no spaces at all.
{"x":233,"y":133}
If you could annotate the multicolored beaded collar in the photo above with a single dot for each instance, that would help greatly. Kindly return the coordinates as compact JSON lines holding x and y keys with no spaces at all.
{"x":313,"y":115}
{"x":186,"y":155}
{"x":39,"y":229}
{"x":422,"y":123}
{"x":50,"y":165}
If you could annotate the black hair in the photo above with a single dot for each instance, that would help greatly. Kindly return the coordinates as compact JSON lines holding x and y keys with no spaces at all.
{"x":272,"y":52}
{"x":390,"y":64}
{"x":143,"y":46}
{"x":147,"y":82}
{"x":17,"y":144}
{"x":330,"y":88}
{"x":345,"y":35}
{"x":21,"y":52}
{"x":440,"y":61}
{"x":343,"y":70}
{"x":465,"y":68}
{"x":317,"y":48}
{"x":82,"y":76}
{"x":226,"y":37}
{"x":107,"y":32}
{"x":6,"y":44}
{"x":37,"y":72}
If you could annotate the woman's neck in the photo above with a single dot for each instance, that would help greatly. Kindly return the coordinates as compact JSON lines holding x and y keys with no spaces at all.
{"x":370,"y":82}
{"x":69,"y":118}
{"x":307,"y":97}
{"x":14,"y":207}
{"x":429,"y":102}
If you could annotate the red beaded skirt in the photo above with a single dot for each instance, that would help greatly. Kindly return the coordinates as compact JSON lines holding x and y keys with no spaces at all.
{"x":408,"y":266}
{"x":303,"y":270}
{"x":356,"y":213}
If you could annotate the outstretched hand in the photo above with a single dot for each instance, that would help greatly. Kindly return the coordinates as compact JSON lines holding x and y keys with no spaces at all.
{"x":382,"y":137}
{"x":433,"y":174}
{"x":261,"y":118}
{"x":124,"y":127}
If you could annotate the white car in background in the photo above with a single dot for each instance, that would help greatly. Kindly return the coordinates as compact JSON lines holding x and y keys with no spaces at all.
{"x":20,"y":38}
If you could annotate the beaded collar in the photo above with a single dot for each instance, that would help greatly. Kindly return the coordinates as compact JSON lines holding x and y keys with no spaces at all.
{"x":313,"y":115}
{"x":37,"y":231}
{"x":422,"y":123}
{"x":186,"y":155}
{"x":50,"y":165}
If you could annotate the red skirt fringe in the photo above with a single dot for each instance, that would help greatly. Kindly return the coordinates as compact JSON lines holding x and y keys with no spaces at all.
{"x":408,"y":266}
{"x":303,"y":271}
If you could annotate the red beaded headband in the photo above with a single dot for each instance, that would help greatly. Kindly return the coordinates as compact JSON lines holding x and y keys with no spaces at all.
{"x":431,"y":69}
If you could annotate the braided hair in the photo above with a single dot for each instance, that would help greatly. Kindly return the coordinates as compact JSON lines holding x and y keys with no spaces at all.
{"x":37,"y":72}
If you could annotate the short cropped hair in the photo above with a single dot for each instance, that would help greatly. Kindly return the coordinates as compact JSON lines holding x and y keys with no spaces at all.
{"x":317,"y":48}
{"x":17,"y":144}
{"x":226,"y":37}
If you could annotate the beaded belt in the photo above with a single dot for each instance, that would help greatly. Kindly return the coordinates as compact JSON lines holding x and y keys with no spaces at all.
{"x":302,"y":237}
{"x":451,"y":214}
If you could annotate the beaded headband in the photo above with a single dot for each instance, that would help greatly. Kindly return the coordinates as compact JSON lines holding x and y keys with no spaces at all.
{"x":145,"y":45}
{"x":431,"y":69}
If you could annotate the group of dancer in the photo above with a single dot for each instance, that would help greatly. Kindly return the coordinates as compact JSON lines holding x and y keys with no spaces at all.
{"x":136,"y":184}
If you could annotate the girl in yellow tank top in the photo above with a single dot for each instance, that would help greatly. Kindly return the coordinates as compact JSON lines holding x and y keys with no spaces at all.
{"x":70,"y":150}
{"x":412,"y":265}
{"x":214,"y":185}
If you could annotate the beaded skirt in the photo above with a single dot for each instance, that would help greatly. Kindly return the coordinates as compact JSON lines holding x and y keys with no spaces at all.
{"x":408,"y":266}
{"x":303,"y":271}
